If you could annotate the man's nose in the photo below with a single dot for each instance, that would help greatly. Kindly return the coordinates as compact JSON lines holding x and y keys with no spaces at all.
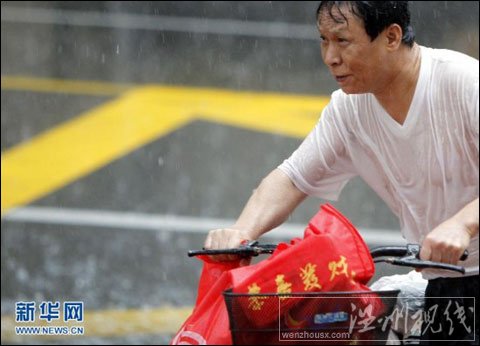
{"x":331,"y":56}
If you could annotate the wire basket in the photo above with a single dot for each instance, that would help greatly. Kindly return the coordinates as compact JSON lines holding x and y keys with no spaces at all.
{"x":313,"y":318}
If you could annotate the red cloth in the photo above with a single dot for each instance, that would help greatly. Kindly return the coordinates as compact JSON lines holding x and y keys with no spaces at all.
{"x":208,"y":324}
{"x":332,"y":256}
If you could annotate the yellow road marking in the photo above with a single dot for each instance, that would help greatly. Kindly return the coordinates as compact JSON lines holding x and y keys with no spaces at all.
{"x":284,"y":114}
{"x":109,"y":323}
{"x":82,"y":145}
{"x":48,"y":85}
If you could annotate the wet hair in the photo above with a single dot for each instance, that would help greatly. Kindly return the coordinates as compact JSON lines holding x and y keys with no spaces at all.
{"x":376,"y":16}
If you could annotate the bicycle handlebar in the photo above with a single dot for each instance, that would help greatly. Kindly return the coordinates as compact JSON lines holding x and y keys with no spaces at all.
{"x":411,"y":258}
{"x":410,"y":255}
{"x":407,"y":250}
{"x":248,"y":250}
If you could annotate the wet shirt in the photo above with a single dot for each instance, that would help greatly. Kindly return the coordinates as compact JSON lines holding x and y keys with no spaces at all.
{"x":426,"y":169}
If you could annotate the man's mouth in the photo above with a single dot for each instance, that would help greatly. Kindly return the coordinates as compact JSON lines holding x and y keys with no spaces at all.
{"x":341,"y":79}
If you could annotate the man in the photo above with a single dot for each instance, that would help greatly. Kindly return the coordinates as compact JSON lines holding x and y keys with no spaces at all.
{"x":406,"y":120}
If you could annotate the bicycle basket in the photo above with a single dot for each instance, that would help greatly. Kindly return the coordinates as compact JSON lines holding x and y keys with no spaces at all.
{"x":319,"y":318}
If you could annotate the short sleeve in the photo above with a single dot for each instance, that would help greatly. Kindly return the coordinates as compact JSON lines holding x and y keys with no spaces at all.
{"x":321,"y":166}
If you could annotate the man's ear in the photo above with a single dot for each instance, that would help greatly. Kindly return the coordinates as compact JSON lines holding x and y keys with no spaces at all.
{"x":393,"y":36}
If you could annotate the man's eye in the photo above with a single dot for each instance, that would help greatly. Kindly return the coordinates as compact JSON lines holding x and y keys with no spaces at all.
{"x":342,"y":40}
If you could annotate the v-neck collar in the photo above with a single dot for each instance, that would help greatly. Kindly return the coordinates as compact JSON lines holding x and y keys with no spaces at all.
{"x":415,"y":104}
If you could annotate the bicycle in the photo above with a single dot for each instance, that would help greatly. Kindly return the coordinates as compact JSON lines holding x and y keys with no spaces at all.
{"x":322,"y":314}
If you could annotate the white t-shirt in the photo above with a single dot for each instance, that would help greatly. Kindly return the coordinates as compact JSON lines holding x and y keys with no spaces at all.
{"x":426,"y":170}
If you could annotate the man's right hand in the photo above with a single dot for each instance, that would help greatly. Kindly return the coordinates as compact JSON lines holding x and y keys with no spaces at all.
{"x":270,"y":204}
{"x":226,"y":238}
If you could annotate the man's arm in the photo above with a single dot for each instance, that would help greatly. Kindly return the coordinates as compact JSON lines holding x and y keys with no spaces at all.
{"x":448,"y":240}
{"x":268,"y":207}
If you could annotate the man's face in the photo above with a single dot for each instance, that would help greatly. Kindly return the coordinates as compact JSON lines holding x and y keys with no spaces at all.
{"x":352,"y":58}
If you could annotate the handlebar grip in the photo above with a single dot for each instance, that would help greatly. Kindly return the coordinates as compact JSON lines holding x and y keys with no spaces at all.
{"x":400,"y":251}
{"x":192,"y":253}
{"x":251,"y":249}
{"x":463,"y":257}
{"x":234,"y":251}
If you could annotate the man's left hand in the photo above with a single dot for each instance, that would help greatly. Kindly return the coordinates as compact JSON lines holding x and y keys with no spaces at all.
{"x":446,"y":243}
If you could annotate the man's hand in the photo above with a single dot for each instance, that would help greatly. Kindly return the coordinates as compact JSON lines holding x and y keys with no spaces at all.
{"x":226,"y":238}
{"x":270,"y":204}
{"x":447,"y":242}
